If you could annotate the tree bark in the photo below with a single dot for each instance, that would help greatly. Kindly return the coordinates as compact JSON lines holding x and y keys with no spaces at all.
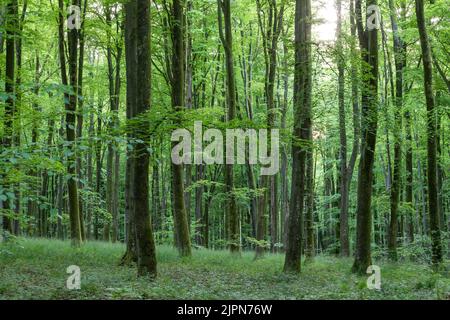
{"x":399,"y":56}
{"x":10,"y":64}
{"x":178,"y":104}
{"x":369,"y":47}
{"x":70,"y":106}
{"x":139,"y":12}
{"x":226,"y":36}
{"x":301,"y":135}
{"x":433,"y":201}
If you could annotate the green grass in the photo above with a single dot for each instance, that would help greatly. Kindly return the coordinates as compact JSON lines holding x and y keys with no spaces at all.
{"x":36,"y":269}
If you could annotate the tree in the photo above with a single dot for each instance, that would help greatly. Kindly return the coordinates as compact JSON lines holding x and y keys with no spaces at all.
{"x":70,"y":106}
{"x":224,"y":6}
{"x":145,"y":244}
{"x":433,"y":201}
{"x":80,"y":101}
{"x":343,"y":217}
{"x":399,"y":56}
{"x":131,"y":102}
{"x":11,"y":26}
{"x":270,"y":30}
{"x":112,"y":160}
{"x":178,"y":104}
{"x":301,"y":135}
{"x":368,"y":40}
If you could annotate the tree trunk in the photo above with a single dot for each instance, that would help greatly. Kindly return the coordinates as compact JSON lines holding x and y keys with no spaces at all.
{"x":131,"y":74}
{"x":224,"y":6}
{"x":399,"y":55}
{"x":178,"y":104}
{"x":301,"y":134}
{"x":369,"y":47}
{"x":433,"y":201}
{"x":11,"y":25}
{"x":344,"y":186}
{"x":79,"y":118}
{"x":70,"y":106}
{"x":144,"y":235}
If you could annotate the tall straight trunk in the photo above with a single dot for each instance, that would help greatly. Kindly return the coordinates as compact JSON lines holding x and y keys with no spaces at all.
{"x":110,"y":149}
{"x":284,"y":152}
{"x":109,"y":191}
{"x":309,"y":202}
{"x":247,"y":77}
{"x":90,"y":176}
{"x":112,"y":153}
{"x":130,"y":254}
{"x":33,"y":209}
{"x":226,"y":36}
{"x":199,"y":176}
{"x":11,"y":25}
{"x":80,"y":101}
{"x":42,"y":213}
{"x":270,"y":31}
{"x":17,"y":131}
{"x":116,"y":186}
{"x":98,"y":164}
{"x":344,"y":186}
{"x":350,"y":166}
{"x":178,"y":104}
{"x":399,"y":56}
{"x":188,"y":99}
{"x":409,"y":175}
{"x":70,"y":106}
{"x":60,"y":189}
{"x":145,"y":243}
{"x":60,"y":203}
{"x":433,"y":200}
{"x":301,"y":134}
{"x":440,"y":169}
{"x":156,"y":209}
{"x":369,"y":47}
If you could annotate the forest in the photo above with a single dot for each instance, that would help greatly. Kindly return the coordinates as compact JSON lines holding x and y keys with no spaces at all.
{"x":220,"y":149}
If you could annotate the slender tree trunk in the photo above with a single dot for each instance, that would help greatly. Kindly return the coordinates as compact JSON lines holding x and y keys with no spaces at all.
{"x":344,"y":186}
{"x":369,"y":46}
{"x":90,"y":175}
{"x":98,"y":164}
{"x":226,"y":36}
{"x":70,"y":106}
{"x":284,"y":154}
{"x":178,"y":104}
{"x":433,"y":200}
{"x":309,"y":201}
{"x":79,"y":117}
{"x":130,"y":254}
{"x":301,"y":134}
{"x":395,"y":190}
{"x":11,"y":25}
{"x":145,"y":243}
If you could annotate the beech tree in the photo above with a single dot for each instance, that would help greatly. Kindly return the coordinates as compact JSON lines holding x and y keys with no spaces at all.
{"x":178,"y":104}
{"x":226,"y":37}
{"x":139,"y":13}
{"x":302,"y":133}
{"x":433,"y":202}
{"x":368,"y":40}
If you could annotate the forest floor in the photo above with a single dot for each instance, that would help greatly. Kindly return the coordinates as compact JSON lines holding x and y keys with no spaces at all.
{"x":36,"y":269}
